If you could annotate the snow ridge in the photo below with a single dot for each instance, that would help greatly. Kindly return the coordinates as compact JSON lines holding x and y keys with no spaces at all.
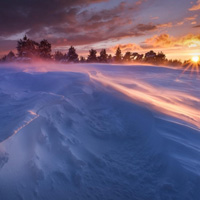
{"x":79,"y":135}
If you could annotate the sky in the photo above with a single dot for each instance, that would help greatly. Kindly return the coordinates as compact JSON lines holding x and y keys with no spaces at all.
{"x":135,"y":25}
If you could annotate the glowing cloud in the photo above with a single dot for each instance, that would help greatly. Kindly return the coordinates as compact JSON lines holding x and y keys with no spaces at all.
{"x":195,"y":7}
{"x":165,"y":40}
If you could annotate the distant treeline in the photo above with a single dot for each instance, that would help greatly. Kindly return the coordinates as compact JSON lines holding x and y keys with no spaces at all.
{"x":29,"y":50}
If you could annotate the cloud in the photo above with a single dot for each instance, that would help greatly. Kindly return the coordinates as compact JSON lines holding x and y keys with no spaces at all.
{"x":197,"y":26}
{"x":195,"y":7}
{"x":70,"y":22}
{"x":163,"y":40}
{"x":187,"y":19}
{"x":17,"y":16}
{"x":165,"y":25}
{"x":145,"y":27}
{"x":166,"y":41}
{"x":126,"y":47}
{"x":102,"y":31}
{"x":191,"y":18}
{"x":66,"y":23}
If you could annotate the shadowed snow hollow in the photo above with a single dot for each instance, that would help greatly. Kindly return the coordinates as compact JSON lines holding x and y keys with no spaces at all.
{"x":98,"y":132}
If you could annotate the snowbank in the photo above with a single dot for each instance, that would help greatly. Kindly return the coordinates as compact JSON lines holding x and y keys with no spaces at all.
{"x":99,"y":132}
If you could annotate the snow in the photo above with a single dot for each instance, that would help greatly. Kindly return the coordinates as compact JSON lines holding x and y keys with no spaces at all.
{"x":99,"y":131}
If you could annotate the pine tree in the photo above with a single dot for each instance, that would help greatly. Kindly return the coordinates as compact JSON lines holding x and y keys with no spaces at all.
{"x":139,"y":57}
{"x":118,"y":55}
{"x":103,"y":56}
{"x":72,"y":56}
{"x":58,"y":56}
{"x":160,"y":58}
{"x":110,"y":58}
{"x":9,"y":57}
{"x":150,"y":56}
{"x":45,"y":49}
{"x":92,"y":56}
{"x":127,"y":57}
{"x":82,"y":59}
{"x":134,"y":55}
{"x":27,"y":48}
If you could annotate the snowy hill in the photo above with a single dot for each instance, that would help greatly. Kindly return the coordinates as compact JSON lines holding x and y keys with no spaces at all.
{"x":99,"y":132}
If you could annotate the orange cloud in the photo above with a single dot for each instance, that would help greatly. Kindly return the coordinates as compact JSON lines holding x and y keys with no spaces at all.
{"x":195,"y":7}
{"x":191,"y":18}
{"x":165,"y":40}
{"x":126,"y":47}
{"x":167,"y":25}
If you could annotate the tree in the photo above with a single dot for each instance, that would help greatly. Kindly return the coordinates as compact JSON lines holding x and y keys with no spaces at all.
{"x":110,"y":58}
{"x":72,"y":56}
{"x":82,"y":59}
{"x":150,"y":56}
{"x":92,"y":56}
{"x":134,"y":55}
{"x":127,"y":57}
{"x":139,"y":57}
{"x":9,"y":57}
{"x":175,"y":62}
{"x":58,"y":56}
{"x":118,"y":55}
{"x":160,"y":58}
{"x":45,"y":49}
{"x":103,"y":56}
{"x":27,"y":47}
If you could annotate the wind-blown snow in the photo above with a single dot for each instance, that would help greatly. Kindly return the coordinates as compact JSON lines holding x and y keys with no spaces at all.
{"x":99,"y":132}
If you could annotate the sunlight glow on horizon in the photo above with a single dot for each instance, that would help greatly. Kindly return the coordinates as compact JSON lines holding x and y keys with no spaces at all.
{"x":195,"y":59}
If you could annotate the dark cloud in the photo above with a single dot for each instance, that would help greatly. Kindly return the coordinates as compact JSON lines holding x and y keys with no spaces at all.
{"x":114,"y":23}
{"x":146,"y":27}
{"x":70,"y":22}
{"x":197,"y":26}
{"x":19,"y":15}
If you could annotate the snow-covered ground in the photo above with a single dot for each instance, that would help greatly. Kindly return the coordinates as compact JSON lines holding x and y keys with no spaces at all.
{"x":99,"y":132}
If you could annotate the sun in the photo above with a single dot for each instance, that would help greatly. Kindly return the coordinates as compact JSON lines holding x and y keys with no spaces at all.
{"x":195,"y":59}
{"x":192,"y":65}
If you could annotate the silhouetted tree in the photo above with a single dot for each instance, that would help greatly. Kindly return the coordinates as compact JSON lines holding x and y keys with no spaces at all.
{"x":160,"y":58}
{"x":9,"y":57}
{"x":110,"y":58}
{"x":58,"y":56}
{"x":134,"y":55}
{"x":82,"y":59}
{"x":92,"y":56}
{"x":139,"y":57}
{"x":118,"y":55}
{"x":103,"y":56}
{"x":127,"y":57}
{"x":175,"y":62}
{"x":11,"y":54}
{"x":72,"y":56}
{"x":45,"y":49}
{"x":150,"y":56}
{"x":27,"y":47}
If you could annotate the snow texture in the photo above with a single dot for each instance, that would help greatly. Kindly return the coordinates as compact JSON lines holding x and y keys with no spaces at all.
{"x":106,"y":132}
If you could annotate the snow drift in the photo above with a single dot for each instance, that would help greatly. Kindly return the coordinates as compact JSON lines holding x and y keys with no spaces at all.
{"x":99,"y":132}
